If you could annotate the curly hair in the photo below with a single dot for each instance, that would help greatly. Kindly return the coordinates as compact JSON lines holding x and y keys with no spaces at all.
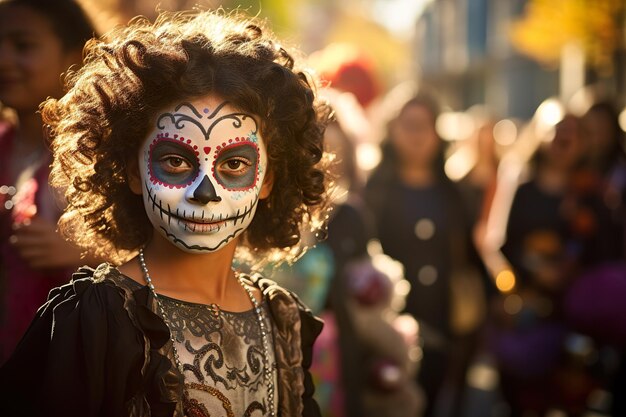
{"x":135,"y":71}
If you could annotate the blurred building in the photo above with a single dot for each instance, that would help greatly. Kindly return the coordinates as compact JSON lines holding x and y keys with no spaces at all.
{"x":464,"y":49}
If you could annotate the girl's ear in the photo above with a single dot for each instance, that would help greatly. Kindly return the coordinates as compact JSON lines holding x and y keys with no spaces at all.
{"x":132,"y":175}
{"x":268,"y":184}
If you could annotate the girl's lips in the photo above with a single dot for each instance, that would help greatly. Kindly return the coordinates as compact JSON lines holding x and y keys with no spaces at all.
{"x":197,"y":227}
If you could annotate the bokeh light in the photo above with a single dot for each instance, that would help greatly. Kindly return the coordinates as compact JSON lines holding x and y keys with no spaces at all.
{"x":505,"y":280}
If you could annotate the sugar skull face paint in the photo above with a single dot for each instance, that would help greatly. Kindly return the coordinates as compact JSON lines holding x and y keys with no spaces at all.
{"x":202,"y":169}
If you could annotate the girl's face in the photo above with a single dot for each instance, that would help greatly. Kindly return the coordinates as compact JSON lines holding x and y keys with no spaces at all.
{"x":567,"y":148}
{"x":32,"y":58}
{"x":202,"y":170}
{"x":414,"y":136}
{"x":598,"y":130}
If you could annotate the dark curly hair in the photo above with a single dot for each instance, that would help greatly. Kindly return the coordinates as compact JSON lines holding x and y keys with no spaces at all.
{"x":135,"y":71}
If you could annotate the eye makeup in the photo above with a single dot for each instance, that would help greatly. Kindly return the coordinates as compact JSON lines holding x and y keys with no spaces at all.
{"x":173,"y":162}
{"x":202,"y":167}
{"x":233,"y":177}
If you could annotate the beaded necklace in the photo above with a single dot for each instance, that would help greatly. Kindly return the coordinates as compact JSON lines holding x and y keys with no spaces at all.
{"x":268,"y":368}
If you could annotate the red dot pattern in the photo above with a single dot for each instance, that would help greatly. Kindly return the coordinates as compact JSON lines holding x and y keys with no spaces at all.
{"x":176,"y":139}
{"x":238,"y":141}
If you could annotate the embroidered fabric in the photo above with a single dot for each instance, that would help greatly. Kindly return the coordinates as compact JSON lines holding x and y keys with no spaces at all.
{"x":222,"y":358}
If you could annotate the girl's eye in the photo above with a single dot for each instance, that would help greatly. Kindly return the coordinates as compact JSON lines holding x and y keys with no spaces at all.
{"x":174,"y":164}
{"x":236,"y":165}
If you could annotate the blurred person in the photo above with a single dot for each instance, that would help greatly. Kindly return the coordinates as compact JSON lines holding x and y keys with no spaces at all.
{"x":557,"y":227}
{"x":606,"y":172}
{"x":361,"y":365}
{"x":313,"y":277}
{"x":606,"y":159}
{"x":381,"y":359}
{"x":602,"y":130}
{"x":377,"y":374}
{"x":563,"y":205}
{"x":39,"y":40}
{"x":478,"y":185}
{"x":422,"y":222}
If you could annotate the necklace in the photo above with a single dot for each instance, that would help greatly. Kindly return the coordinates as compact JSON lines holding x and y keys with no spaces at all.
{"x":258,"y":310}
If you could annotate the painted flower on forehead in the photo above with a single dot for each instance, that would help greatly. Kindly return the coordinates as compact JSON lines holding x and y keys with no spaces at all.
{"x":202,"y":168}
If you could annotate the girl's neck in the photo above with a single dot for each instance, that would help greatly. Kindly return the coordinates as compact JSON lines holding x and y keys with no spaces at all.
{"x":199,"y":278}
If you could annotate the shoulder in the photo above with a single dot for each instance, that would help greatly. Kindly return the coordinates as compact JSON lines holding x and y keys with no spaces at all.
{"x":95,"y":288}
{"x":285,"y":306}
{"x":96,"y":304}
{"x":84,"y":326}
{"x":86,"y":283}
{"x":272,"y":291}
{"x":105,"y":273}
{"x":116,"y":298}
{"x":105,"y":277}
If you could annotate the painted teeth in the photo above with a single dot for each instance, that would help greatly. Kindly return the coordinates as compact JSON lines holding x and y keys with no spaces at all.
{"x":247,"y":211}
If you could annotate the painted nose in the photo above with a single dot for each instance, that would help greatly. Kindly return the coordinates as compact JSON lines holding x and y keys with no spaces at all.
{"x":205,"y":192}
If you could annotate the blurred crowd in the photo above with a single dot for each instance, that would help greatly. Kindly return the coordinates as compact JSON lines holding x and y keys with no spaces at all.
{"x":509,"y":238}
{"x":474,"y":265}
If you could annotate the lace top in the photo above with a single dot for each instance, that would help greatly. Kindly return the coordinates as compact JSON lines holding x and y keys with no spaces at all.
{"x":222,"y":357}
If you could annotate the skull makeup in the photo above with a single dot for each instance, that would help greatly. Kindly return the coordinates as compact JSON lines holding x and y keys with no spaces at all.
{"x":202,"y":169}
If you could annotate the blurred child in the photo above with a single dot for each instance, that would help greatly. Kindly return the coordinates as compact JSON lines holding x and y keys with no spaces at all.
{"x":39,"y":40}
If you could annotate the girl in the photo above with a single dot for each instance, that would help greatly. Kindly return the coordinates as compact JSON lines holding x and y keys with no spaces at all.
{"x":180,"y":142}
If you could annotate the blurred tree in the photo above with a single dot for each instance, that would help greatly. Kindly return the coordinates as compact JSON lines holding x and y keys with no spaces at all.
{"x":596,"y":26}
{"x":390,"y":55}
{"x":108,"y":13}
{"x":281,"y":13}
